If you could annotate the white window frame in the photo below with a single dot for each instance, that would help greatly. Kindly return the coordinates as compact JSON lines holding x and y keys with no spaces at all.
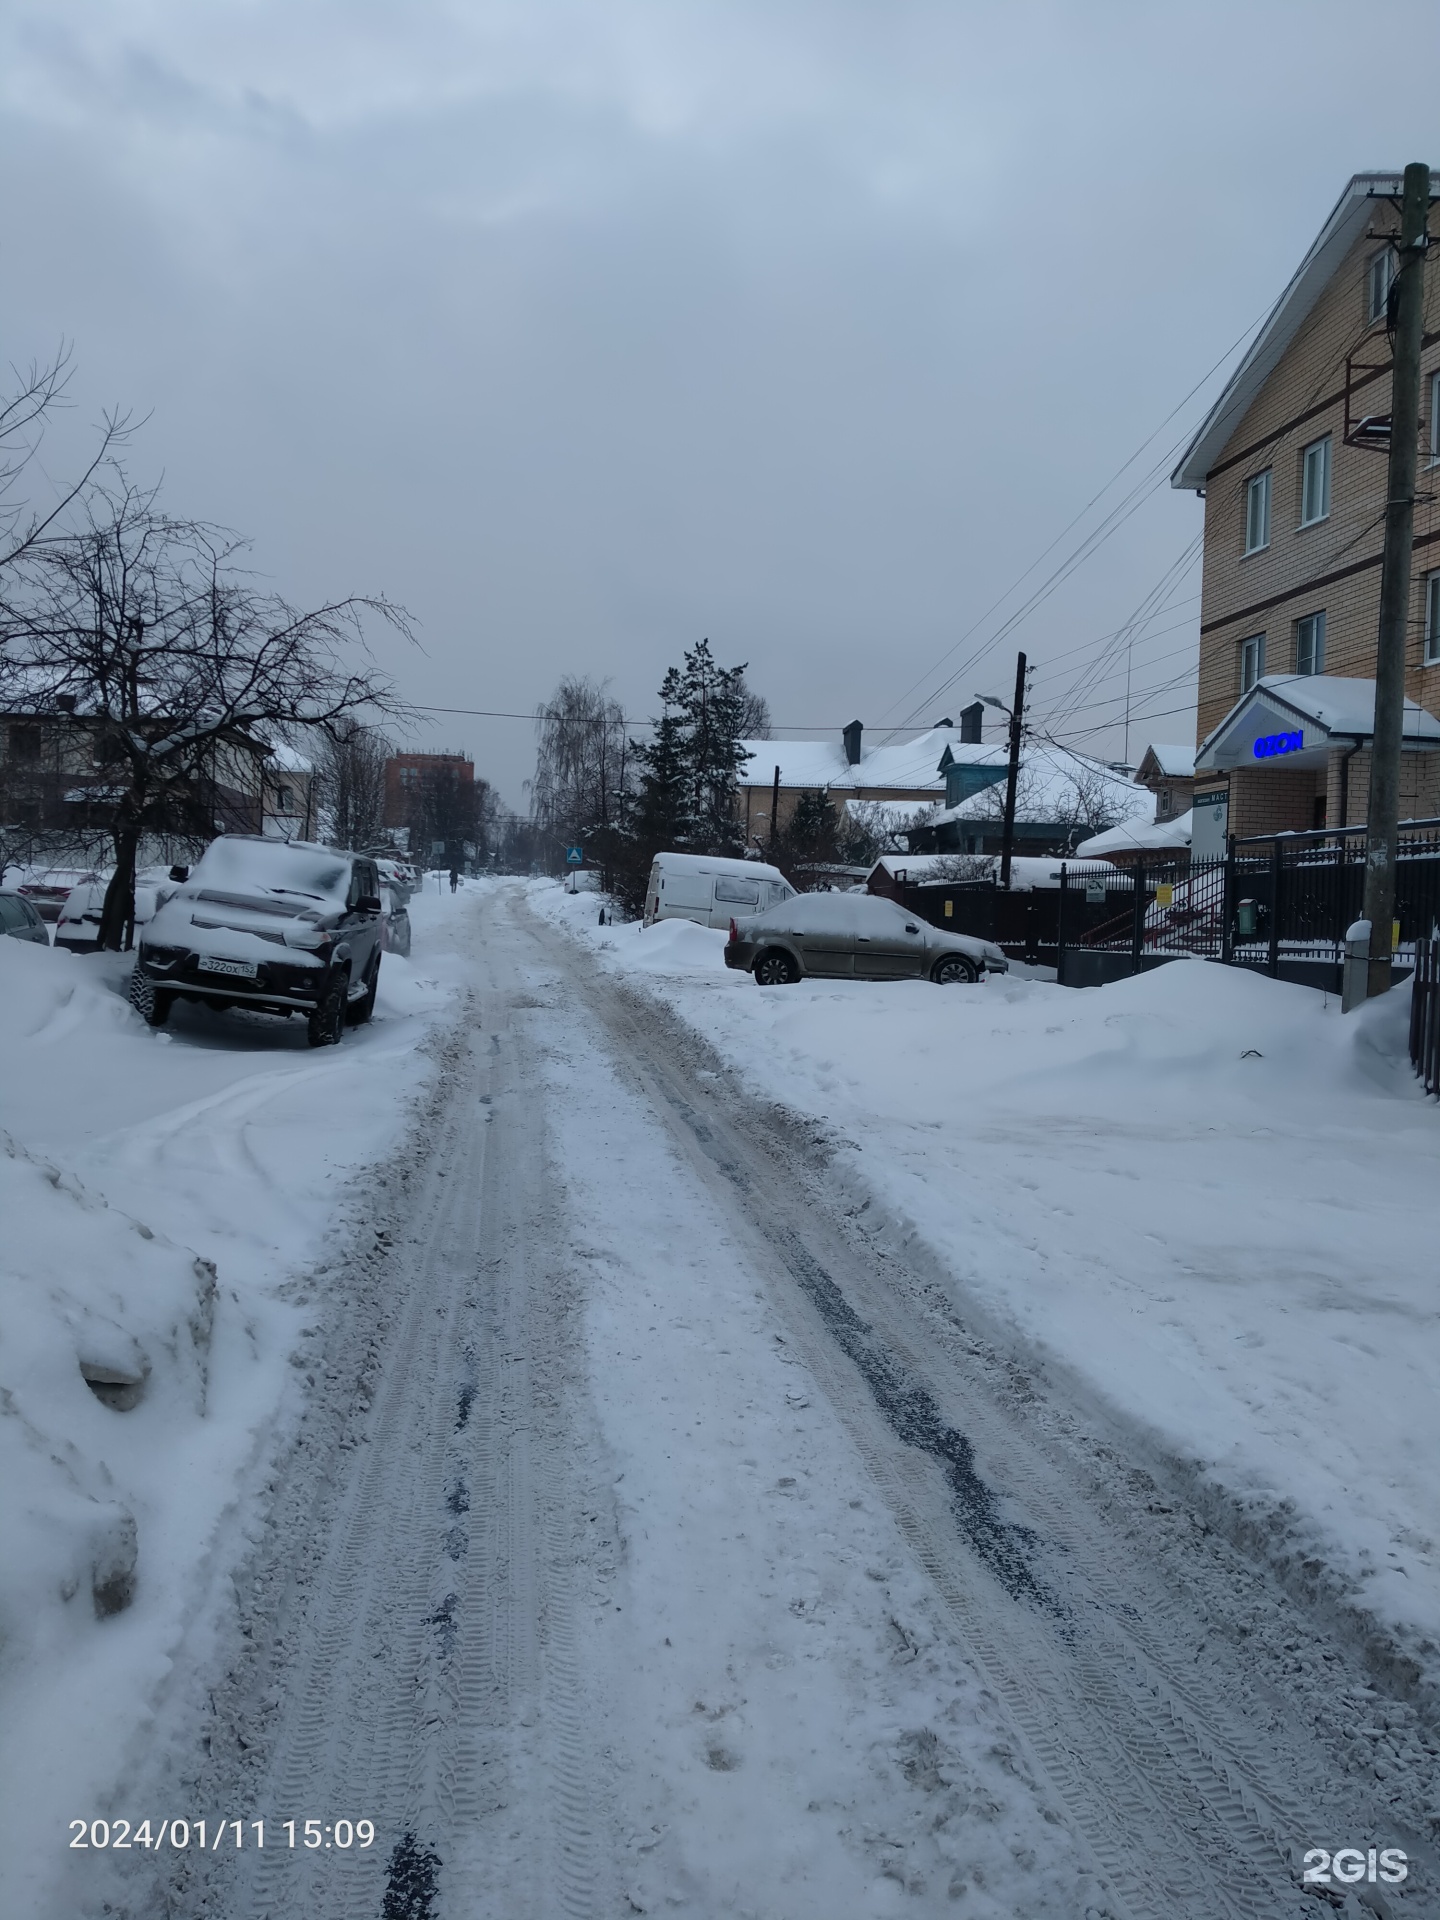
{"x":1252,"y":655}
{"x":1435,"y":418}
{"x":1379,"y":278}
{"x":1318,"y":450}
{"x":1432,"y":618}
{"x":1315,"y":622}
{"x":1258,"y":488}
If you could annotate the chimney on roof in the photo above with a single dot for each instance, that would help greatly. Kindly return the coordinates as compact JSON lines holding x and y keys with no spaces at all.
{"x":971,"y":723}
{"x":852,"y":742}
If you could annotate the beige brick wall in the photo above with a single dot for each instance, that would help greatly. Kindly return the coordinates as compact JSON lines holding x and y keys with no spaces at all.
{"x":1263,"y":800}
{"x":1312,"y":372}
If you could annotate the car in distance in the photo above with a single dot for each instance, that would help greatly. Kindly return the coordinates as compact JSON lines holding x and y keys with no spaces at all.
{"x":396,"y":889}
{"x":20,"y":920}
{"x":278,"y":926}
{"x":854,"y":936}
{"x":47,"y":892}
{"x":78,"y":927}
{"x":711,"y":891}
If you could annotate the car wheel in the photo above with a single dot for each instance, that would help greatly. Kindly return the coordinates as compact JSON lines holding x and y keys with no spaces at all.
{"x":775,"y":969}
{"x":955,"y":969}
{"x":152,"y":1003}
{"x":327,"y":1021}
{"x":358,"y":1012}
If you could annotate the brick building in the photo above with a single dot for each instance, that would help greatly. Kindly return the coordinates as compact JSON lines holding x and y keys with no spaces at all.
{"x":1291,"y":463}
{"x":432,"y":797}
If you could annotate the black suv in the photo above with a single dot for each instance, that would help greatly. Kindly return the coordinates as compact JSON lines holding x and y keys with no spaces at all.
{"x":275,"y":925}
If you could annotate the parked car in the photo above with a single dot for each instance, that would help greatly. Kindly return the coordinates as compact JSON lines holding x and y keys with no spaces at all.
{"x":274,"y":925}
{"x":394,"y":919}
{"x":48,"y":891}
{"x":693,"y":886}
{"x":20,"y":920}
{"x":854,"y":936}
{"x":78,"y":927}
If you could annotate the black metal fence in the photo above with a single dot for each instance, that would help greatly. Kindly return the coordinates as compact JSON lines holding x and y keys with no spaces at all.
{"x":1425,"y":1014}
{"x":1279,"y":904}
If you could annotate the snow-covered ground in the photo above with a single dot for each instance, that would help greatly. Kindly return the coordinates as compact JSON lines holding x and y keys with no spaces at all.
{"x":1201,"y":1197}
{"x":607,"y":1572}
{"x":158,"y":1193}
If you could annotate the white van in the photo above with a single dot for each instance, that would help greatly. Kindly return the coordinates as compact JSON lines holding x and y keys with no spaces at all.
{"x":713,"y":892}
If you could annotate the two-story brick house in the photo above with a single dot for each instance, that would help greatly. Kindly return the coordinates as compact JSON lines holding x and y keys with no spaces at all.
{"x":1291,"y":464}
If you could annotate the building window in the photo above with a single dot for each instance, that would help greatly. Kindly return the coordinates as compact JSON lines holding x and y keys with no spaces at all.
{"x":1252,"y":661}
{"x":1435,"y":419}
{"x":1432,"y":619}
{"x":1310,"y":644}
{"x":1257,"y":512}
{"x":1315,"y":482}
{"x":1378,"y":276}
{"x":283,"y":802}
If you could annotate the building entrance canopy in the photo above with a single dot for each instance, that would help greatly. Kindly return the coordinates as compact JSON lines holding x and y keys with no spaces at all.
{"x":1291,"y":720}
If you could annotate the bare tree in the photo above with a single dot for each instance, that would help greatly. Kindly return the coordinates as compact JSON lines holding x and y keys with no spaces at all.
{"x":1076,"y":795}
{"x":38,"y":391}
{"x":144,"y":629}
{"x":583,"y":765}
{"x":754,"y":712}
{"x":350,"y":781}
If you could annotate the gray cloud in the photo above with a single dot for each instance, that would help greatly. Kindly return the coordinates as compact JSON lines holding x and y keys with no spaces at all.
{"x":589,"y":330}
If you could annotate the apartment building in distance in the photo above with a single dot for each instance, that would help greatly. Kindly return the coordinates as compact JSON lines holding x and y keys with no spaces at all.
{"x":1292,"y":465}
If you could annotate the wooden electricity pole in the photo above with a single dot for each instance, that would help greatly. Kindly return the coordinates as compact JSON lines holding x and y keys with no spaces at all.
{"x":1017,"y":715}
{"x":1383,"y":814}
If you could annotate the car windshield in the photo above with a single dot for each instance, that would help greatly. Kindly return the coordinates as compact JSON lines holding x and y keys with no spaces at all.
{"x":274,"y":868}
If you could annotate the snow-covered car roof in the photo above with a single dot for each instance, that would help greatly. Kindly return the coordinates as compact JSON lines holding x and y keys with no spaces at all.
{"x":288,"y":869}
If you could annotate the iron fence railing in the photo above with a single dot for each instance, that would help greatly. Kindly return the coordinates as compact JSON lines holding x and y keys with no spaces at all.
{"x":1425,"y":1014}
{"x":1279,"y":903}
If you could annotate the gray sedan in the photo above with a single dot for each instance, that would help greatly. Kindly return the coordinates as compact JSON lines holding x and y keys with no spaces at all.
{"x":854,"y":936}
{"x":20,"y":920}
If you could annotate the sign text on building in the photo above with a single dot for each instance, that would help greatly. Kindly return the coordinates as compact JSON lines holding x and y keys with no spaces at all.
{"x":1272,"y":743}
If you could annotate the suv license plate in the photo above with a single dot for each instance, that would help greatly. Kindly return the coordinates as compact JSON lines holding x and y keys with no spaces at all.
{"x":241,"y":969}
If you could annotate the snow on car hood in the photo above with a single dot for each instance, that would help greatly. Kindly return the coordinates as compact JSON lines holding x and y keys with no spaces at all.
{"x":203,"y":920}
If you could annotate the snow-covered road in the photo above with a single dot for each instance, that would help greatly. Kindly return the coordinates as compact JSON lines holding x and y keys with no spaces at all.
{"x":658,"y":1541}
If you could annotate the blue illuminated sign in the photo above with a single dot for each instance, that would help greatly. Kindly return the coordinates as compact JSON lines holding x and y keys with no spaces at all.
{"x":1273,"y":743}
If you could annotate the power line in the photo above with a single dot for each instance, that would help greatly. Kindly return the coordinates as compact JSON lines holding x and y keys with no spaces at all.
{"x":1087,"y":546}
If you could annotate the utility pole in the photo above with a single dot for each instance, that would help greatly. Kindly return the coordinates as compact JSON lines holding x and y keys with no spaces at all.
{"x":1017,"y":714}
{"x":1383,"y":814}
{"x":775,"y":812}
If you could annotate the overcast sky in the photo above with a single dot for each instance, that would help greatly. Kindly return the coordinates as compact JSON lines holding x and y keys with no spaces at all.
{"x":588,"y":330}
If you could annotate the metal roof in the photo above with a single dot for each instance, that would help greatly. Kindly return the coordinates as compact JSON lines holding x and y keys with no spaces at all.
{"x":1346,"y":223}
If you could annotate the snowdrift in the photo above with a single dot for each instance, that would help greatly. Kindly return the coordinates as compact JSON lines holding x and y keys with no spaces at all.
{"x":104,"y":1342}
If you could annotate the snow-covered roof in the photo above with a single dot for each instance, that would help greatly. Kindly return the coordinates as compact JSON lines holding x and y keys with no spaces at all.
{"x":1351,"y":215}
{"x":1137,"y":836}
{"x":1318,"y":706}
{"x":1027,"y":871}
{"x":284,"y":759}
{"x":1050,"y":777}
{"x":905,"y":764}
{"x":1172,"y":762}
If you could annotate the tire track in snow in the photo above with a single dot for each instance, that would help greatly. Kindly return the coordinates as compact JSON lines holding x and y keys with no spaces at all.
{"x":1194,"y":1801}
{"x":423,"y":1654}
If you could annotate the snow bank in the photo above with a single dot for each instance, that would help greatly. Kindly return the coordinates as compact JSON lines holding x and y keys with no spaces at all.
{"x":104,"y":1354}
{"x":159,"y":1191}
{"x":669,"y":946}
{"x":1201,"y":1195}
